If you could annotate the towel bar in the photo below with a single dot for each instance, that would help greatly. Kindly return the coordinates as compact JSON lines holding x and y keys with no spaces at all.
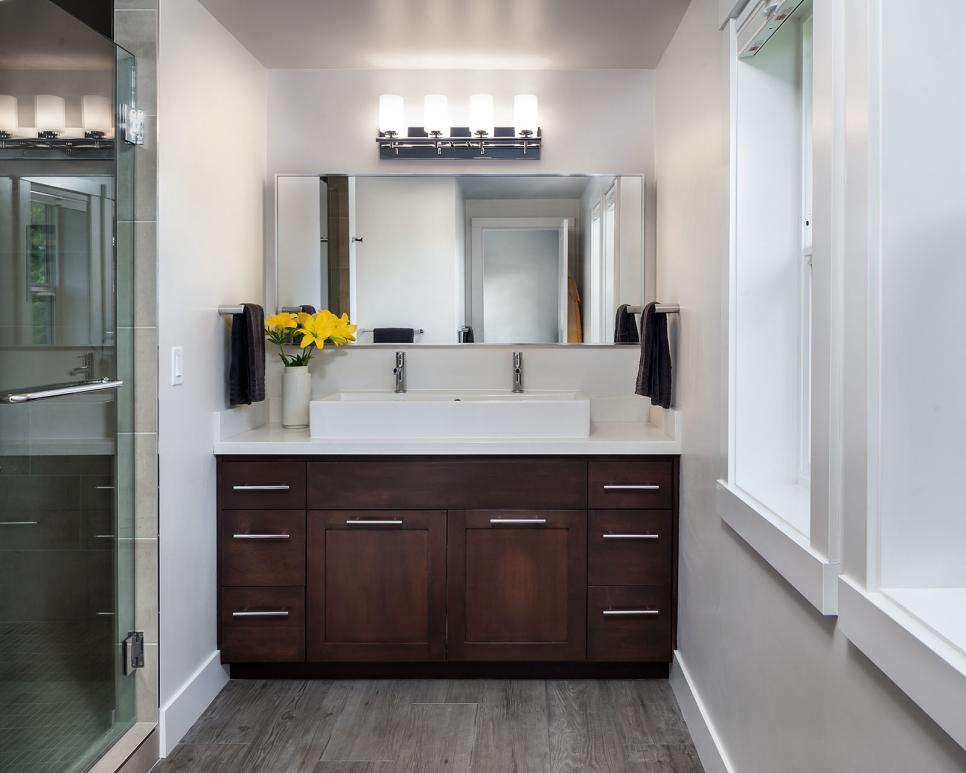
{"x":661,"y":308}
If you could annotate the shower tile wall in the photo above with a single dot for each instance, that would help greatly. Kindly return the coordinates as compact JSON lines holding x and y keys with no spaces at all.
{"x":136,"y":29}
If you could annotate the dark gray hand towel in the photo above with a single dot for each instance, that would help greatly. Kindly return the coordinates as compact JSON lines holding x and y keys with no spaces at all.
{"x":246,"y":373}
{"x":393,"y":335}
{"x":625,"y":326}
{"x":654,"y":373}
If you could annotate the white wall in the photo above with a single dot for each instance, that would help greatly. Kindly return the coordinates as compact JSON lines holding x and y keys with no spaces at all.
{"x":408,"y":265}
{"x":783,"y":688}
{"x":594,"y":121}
{"x":210,"y":240}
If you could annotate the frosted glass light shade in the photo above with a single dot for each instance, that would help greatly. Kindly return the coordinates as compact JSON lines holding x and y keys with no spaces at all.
{"x":436,"y":114}
{"x":525,"y":113}
{"x":392,"y":114}
{"x":49,"y":113}
{"x":481,"y":114}
{"x":96,"y":113}
{"x":9,"y":120}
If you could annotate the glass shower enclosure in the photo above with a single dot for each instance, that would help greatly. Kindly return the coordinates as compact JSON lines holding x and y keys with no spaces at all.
{"x":66,"y":391}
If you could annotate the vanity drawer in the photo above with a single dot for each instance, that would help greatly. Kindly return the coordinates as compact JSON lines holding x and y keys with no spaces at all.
{"x":261,"y":547}
{"x":631,"y":484}
{"x":269,"y":485}
{"x":261,"y":625}
{"x":629,"y":624}
{"x":454,"y":484}
{"x":629,"y":547}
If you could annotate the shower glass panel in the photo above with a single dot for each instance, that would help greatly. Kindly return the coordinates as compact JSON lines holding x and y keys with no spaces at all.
{"x":66,"y":423}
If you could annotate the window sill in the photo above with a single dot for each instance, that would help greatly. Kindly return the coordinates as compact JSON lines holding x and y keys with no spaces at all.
{"x":785,"y":548}
{"x":917,"y":643}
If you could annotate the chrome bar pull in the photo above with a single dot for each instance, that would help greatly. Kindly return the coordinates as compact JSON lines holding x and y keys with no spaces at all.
{"x":518,"y":521}
{"x":18,"y":523}
{"x":252,"y":487}
{"x":261,"y":613}
{"x":261,"y":536}
{"x":631,"y":487}
{"x":58,"y":390}
{"x":630,"y":613}
{"x":631,"y":536}
{"x":374,"y":522}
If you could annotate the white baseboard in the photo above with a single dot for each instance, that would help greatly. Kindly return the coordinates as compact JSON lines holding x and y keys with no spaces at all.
{"x":705,"y":737}
{"x":183,"y":709}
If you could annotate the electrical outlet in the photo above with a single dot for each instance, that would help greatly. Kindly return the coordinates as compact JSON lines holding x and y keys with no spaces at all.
{"x":177,"y":365}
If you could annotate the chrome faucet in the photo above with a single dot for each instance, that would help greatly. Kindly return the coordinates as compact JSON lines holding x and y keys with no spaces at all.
{"x":400,"y":372}
{"x":518,"y":372}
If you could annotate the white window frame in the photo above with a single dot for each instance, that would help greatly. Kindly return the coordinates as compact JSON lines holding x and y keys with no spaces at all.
{"x":916,"y":655}
{"x":810,"y":563}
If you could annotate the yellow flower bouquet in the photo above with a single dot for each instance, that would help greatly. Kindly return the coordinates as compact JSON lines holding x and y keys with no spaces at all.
{"x":308,"y":332}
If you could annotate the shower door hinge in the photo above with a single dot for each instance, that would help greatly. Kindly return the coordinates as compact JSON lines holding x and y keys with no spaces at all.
{"x":133,"y":652}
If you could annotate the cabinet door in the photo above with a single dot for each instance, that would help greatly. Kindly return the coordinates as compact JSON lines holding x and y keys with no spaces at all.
{"x":376,"y":585}
{"x":517,"y":584}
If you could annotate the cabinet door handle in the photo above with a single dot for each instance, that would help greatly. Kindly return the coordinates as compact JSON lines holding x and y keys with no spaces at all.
{"x":374,"y":522}
{"x":261,"y":613}
{"x":249,"y":487}
{"x":518,"y":521}
{"x":18,"y":523}
{"x":631,"y":536}
{"x":631,"y":487}
{"x":262,"y":536}
{"x":630,"y":613}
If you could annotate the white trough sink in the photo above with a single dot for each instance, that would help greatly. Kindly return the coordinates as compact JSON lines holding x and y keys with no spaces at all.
{"x":430,"y":414}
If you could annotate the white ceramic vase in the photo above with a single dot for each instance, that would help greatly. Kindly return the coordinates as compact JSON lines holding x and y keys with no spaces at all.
{"x":296,"y":392}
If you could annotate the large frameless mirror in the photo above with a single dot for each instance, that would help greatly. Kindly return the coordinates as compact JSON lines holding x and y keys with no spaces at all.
{"x":459,"y":259}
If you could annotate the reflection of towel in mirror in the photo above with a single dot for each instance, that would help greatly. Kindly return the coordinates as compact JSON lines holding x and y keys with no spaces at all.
{"x":393,"y":335}
{"x":654,"y":378}
{"x":575,"y":327}
{"x":246,"y":371}
{"x":625,"y":326}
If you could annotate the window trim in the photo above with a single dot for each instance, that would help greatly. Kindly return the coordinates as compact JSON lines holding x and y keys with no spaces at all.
{"x":810,"y":563}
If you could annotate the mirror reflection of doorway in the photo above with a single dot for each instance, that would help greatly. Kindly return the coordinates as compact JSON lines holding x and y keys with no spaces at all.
{"x":520,"y":280}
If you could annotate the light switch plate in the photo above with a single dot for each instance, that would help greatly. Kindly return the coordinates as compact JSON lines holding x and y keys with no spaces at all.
{"x":177,"y":365}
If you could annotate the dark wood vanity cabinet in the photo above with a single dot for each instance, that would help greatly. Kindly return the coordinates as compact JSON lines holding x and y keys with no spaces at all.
{"x":376,"y":585}
{"x":517,"y":584}
{"x":426,"y":559}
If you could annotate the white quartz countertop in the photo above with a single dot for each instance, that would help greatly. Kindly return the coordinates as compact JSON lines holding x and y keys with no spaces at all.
{"x":606,"y":437}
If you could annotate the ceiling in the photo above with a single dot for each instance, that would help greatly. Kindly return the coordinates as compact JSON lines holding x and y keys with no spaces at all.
{"x":41,"y":36}
{"x":452,"y":34}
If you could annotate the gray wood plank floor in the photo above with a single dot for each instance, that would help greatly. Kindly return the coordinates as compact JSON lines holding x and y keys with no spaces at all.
{"x":439,"y":726}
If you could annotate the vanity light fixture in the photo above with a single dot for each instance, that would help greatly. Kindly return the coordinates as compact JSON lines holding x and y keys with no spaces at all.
{"x":9,"y":122}
{"x":481,"y":115}
{"x":437,"y":139}
{"x":392,"y":115}
{"x":96,"y":116}
{"x":50,"y":116}
{"x":525,"y":114}
{"x":436,"y":114}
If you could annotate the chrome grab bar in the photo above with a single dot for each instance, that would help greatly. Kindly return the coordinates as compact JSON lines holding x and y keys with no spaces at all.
{"x":373,"y":522}
{"x":630,"y":612}
{"x":18,"y":523}
{"x":248,"y":487}
{"x":631,"y":536}
{"x":262,"y":613}
{"x":517,"y":521}
{"x":631,"y":487}
{"x":262,"y":536}
{"x":59,"y":390}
